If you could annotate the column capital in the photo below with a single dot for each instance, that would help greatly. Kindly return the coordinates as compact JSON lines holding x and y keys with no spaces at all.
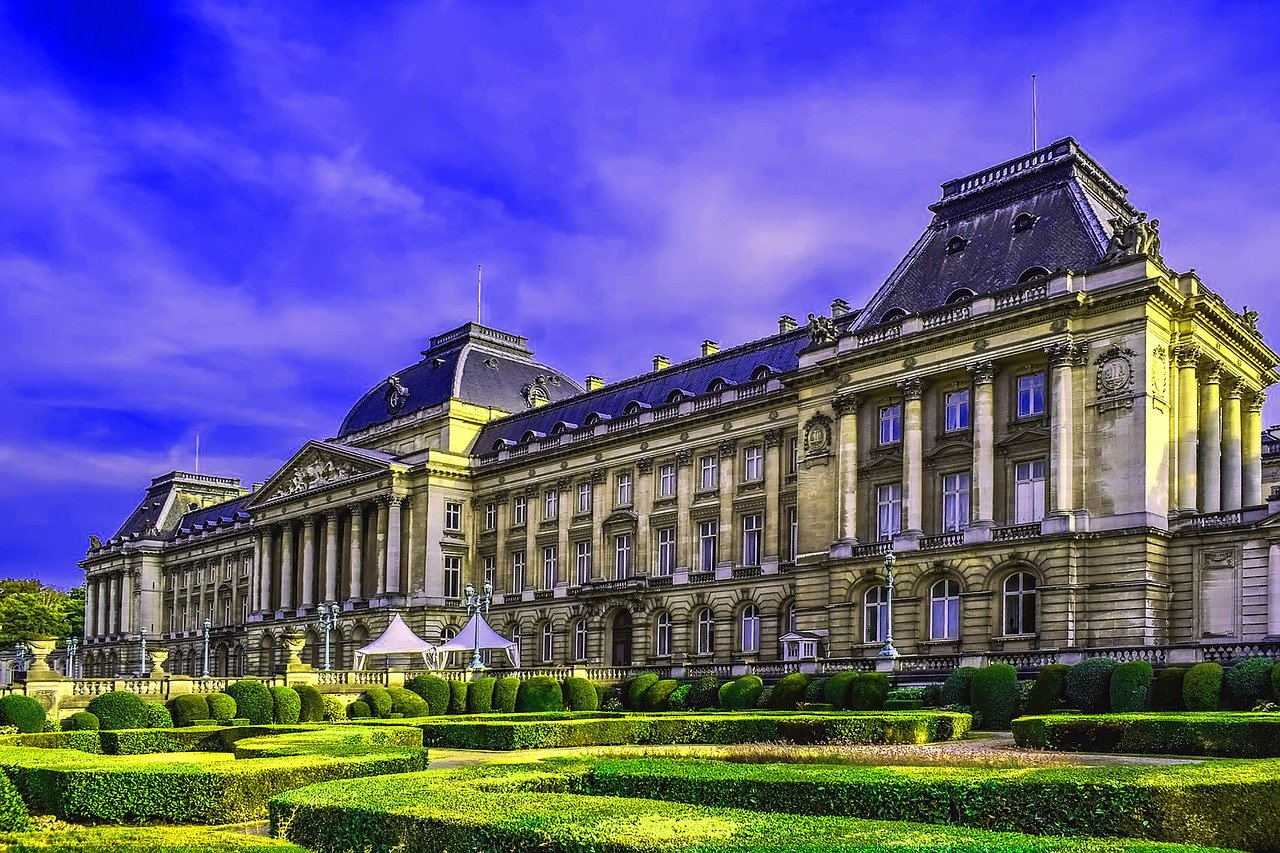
{"x":1065,"y":353}
{"x":501,"y":496}
{"x":563,"y":483}
{"x":1238,"y":388}
{"x":1186,"y":355}
{"x":728,"y":448}
{"x":1255,"y":404}
{"x":1213,"y":374}
{"x":331,"y":515}
{"x":846,"y":403}
{"x":772,"y":437}
{"x":598,"y":476}
{"x":308,"y":523}
{"x":645,"y":465}
{"x":912,"y":389}
{"x":383,"y":500}
{"x":684,"y":458}
{"x":982,"y":372}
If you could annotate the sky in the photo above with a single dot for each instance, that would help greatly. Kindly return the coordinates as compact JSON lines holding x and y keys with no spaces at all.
{"x":234,"y":219}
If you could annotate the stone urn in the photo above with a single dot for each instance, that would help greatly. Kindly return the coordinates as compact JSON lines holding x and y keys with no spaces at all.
{"x":41,"y":648}
{"x":158,"y":657}
{"x":294,"y":643}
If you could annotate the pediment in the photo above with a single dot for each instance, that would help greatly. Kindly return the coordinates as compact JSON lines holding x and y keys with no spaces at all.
{"x":951,"y":447}
{"x":892,"y":459}
{"x":1021,"y":434}
{"x":621,"y":517}
{"x":317,"y":466}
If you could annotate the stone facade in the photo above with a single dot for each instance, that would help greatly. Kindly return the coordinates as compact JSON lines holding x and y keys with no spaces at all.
{"x":1058,"y":437}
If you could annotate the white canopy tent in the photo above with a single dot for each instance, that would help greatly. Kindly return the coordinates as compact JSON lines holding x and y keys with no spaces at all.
{"x":490,"y":639}
{"x":398,"y":639}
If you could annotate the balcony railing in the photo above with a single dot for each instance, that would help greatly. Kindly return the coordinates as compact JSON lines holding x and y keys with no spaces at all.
{"x":1016,"y":531}
{"x":873,"y":549}
{"x":943,"y":540}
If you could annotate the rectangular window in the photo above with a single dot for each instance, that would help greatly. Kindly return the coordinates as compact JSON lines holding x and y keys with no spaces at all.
{"x":550,"y":558}
{"x":551,"y":504}
{"x":667,"y":481}
{"x":1031,"y":395}
{"x":491,"y":571}
{"x":519,"y":508}
{"x":891,"y":424}
{"x":226,"y":611}
{"x":622,"y":556}
{"x":490,"y":516}
{"x":584,"y":498}
{"x":666,"y":551}
{"x":710,"y":468}
{"x":793,"y":533}
{"x":624,"y":489}
{"x":1028,"y":492}
{"x":584,"y":562}
{"x":452,"y":515}
{"x":752,"y":531}
{"x":708,"y":537}
{"x":955,"y":502}
{"x":793,"y":455}
{"x":888,"y":511}
{"x":517,"y":571}
{"x":753,"y":463}
{"x":453,"y":577}
{"x":957,"y":411}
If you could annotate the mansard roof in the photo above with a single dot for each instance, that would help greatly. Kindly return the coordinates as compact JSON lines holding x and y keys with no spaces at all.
{"x":472,"y":363}
{"x":776,"y":354}
{"x":207,"y":517}
{"x":1049,"y":210}
{"x":165,"y":499}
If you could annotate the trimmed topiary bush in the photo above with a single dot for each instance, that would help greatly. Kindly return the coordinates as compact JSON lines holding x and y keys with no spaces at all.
{"x":1166,"y":694}
{"x":480,"y":695}
{"x":379,"y":701}
{"x":1131,"y":687}
{"x":657,"y":696}
{"x":868,"y":691}
{"x":955,"y":690}
{"x":406,"y":703}
{"x":286,"y":705}
{"x":931,"y":695}
{"x":836,"y":691}
{"x":815,"y":690}
{"x":81,"y":721}
{"x":705,"y":693}
{"x":1246,"y":684}
{"x":505,"y":693}
{"x":762,"y":700}
{"x":741,"y":693}
{"x":1202,"y":687}
{"x":434,"y":689}
{"x":789,"y":692}
{"x":457,"y":697}
{"x":1048,"y":690}
{"x":539,"y":694}
{"x":312,"y":704}
{"x":636,"y":690}
{"x":188,"y":708}
{"x":158,"y":716}
{"x":118,"y":709}
{"x":1088,"y":685}
{"x":679,"y":698}
{"x":357,"y":710}
{"x":580,"y":695}
{"x":14,"y":816}
{"x":334,"y":709}
{"x":221,"y":707}
{"x":253,"y":701}
{"x":994,"y":694}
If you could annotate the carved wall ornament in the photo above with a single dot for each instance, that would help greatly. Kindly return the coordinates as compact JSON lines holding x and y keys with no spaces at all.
{"x":728,"y":448}
{"x":563,"y":483}
{"x":684,"y":458}
{"x":535,"y":393}
{"x":314,"y":471}
{"x":1132,"y":237}
{"x":598,"y":475}
{"x":822,"y":331}
{"x":1160,"y":371}
{"x":909,"y":362}
{"x":1115,"y":371}
{"x":645,"y":466}
{"x":395,"y":395}
{"x":772,"y":437}
{"x":1058,"y":325}
{"x":1067,"y":353}
{"x":817,"y":435}
{"x":531,"y":491}
{"x":980,"y":345}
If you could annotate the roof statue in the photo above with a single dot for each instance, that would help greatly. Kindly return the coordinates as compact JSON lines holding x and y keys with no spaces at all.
{"x":1133,"y":236}
{"x":398,"y":639}
{"x":822,"y":330}
{"x":465,"y":641}
{"x":1250,"y":319}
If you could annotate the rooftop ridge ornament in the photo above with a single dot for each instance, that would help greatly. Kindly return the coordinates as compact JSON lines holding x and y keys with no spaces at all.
{"x":396,"y":394}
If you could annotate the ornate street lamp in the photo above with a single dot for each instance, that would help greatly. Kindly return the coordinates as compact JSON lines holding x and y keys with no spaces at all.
{"x":207,"y":626}
{"x":477,"y":603}
{"x":328,"y":613}
{"x":142,"y":639}
{"x":72,"y":644}
{"x":889,"y":651}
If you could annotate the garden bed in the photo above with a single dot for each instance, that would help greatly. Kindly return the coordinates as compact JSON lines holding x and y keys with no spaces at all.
{"x":1216,"y":733}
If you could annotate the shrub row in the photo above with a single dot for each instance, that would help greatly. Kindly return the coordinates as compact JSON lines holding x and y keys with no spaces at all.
{"x":1242,"y":735}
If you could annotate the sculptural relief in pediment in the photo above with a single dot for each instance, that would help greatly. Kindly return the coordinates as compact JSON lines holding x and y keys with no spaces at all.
{"x":314,"y":470}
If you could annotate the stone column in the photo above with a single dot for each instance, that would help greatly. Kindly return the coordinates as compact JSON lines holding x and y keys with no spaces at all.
{"x":265,"y":566}
{"x":1211,"y":441}
{"x":309,"y":568}
{"x":286,"y":566}
{"x":90,"y":608}
{"x":772,"y":487}
{"x":393,"y":544}
{"x":331,"y":555}
{"x":642,"y":498}
{"x":601,"y":567}
{"x":846,"y":408}
{"x":1231,"y":448}
{"x":686,"y":530}
{"x":1062,"y":461}
{"x":113,"y":605}
{"x":1251,"y":487}
{"x":1273,"y":591}
{"x":912,"y":457}
{"x":126,"y":602}
{"x":356,"y":590}
{"x":1188,"y":427}
{"x":259,"y":565}
{"x":727,"y":544}
{"x":380,"y":560}
{"x":104,"y":603}
{"x":984,"y":431}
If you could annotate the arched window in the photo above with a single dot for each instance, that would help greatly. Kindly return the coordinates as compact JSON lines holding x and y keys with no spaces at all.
{"x":580,"y":640}
{"x":706,"y":633}
{"x":961,"y":294}
{"x":662,"y":635}
{"x":1019,"y":604}
{"x":761,"y":373}
{"x":548,"y":643}
{"x":676,"y":396}
{"x":530,"y":435}
{"x":875,"y":615}
{"x":944,"y":610}
{"x":718,"y":384}
{"x":502,"y":444}
{"x":750,"y":629}
{"x":1032,"y":273}
{"x":635,"y":407}
{"x":893,"y":315}
{"x":517,"y":640}
{"x":447,"y":633}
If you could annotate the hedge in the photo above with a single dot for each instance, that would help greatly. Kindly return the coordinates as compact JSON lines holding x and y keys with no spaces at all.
{"x":580,"y":695}
{"x":789,"y":692}
{"x":711,"y":807}
{"x":1243,"y":735}
{"x":635,"y":690}
{"x":480,"y":695}
{"x":14,"y":816}
{"x":253,"y":701}
{"x":868,"y":691}
{"x":1202,"y":687}
{"x":406,"y":703}
{"x":358,"y":710}
{"x":741,"y":693}
{"x":379,"y":701}
{"x":457,"y":697}
{"x":679,"y":698}
{"x":505,"y":693}
{"x":836,"y":691}
{"x":540,"y":693}
{"x":22,"y":712}
{"x":221,"y":707}
{"x":119,"y":709}
{"x":1048,"y":690}
{"x":994,"y":694}
{"x":1088,"y":685}
{"x":286,"y":705}
{"x":955,"y":690}
{"x":705,"y":693}
{"x":144,"y":839}
{"x":434,"y":689}
{"x":657,"y":696}
{"x":312,"y":708}
{"x":1246,"y":684}
{"x":1166,"y":695}
{"x":1131,"y":687}
{"x":188,"y":708}
{"x":1275,"y":683}
{"x":815,"y":690}
{"x":158,"y":716}
{"x":81,"y":721}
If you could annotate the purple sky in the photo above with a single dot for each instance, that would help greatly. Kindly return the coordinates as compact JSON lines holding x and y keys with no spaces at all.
{"x":236,"y":220}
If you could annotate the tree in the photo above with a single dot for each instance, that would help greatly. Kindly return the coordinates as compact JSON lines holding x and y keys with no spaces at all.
{"x":30,"y":609}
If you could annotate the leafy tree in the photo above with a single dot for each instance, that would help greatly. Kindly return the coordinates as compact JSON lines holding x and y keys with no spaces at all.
{"x":29,"y":609}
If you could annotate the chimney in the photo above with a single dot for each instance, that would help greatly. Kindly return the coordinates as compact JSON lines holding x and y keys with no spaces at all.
{"x":660,"y":362}
{"x":839,"y":308}
{"x":786,"y":323}
{"x":594,"y":382}
{"x":710,"y":348}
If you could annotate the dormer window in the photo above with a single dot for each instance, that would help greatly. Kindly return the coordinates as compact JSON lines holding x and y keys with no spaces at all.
{"x":1032,"y":274}
{"x":502,"y":444}
{"x":635,"y":407}
{"x":562,"y":427}
{"x":531,"y":435}
{"x":962,"y":294}
{"x":717,"y":385}
{"x":1024,"y":222}
{"x":676,"y":396}
{"x":956,"y":245}
{"x":893,"y":315}
{"x":761,"y":373}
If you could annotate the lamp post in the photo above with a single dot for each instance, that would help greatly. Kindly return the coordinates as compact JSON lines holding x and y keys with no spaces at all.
{"x":19,"y":657}
{"x":328,"y":613}
{"x":205,"y":672}
{"x":477,"y":603}
{"x":72,"y":644}
{"x":888,"y":651}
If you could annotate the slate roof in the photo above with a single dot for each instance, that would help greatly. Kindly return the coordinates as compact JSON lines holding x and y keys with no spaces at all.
{"x":1070,"y":198}
{"x":474,"y":363}
{"x":779,"y":353}
{"x":220,"y":513}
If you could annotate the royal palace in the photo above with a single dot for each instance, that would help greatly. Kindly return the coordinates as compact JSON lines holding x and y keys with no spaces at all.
{"x":1057,"y":437}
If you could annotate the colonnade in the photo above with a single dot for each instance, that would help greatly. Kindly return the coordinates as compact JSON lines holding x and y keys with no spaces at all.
{"x":109,"y":603}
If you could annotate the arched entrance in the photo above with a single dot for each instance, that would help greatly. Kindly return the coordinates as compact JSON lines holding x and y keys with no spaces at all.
{"x":622,"y":638}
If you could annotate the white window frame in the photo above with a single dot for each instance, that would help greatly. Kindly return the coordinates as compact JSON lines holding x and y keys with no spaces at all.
{"x":490,"y":570}
{"x":583,"y":558}
{"x":666,"y":551}
{"x":752,"y":538}
{"x":956,"y":492}
{"x":708,"y":544}
{"x":1031,"y":394}
{"x":548,"y":643}
{"x":1019,"y":596}
{"x":956,"y":410}
{"x":709,"y":472}
{"x":662,"y":634}
{"x":519,"y":567}
{"x":706,"y":632}
{"x":875,"y":614}
{"x":622,"y":548}
{"x":944,"y":610}
{"x":793,"y":532}
{"x":667,"y":481}
{"x":550,"y":504}
{"x":624,"y":491}
{"x":890,"y":421}
{"x":550,"y":565}
{"x":793,"y":454}
{"x":753,"y":463}
{"x":490,"y":516}
{"x":750,"y":629}
{"x":1029,"y":491}
{"x":453,"y":516}
{"x":888,"y":511}
{"x":580,"y":640}
{"x":519,"y":510}
{"x":584,"y":498}
{"x":452,"y":576}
